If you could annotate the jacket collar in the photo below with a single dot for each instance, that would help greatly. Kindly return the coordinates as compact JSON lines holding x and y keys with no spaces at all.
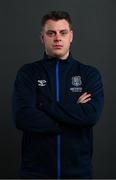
{"x":55,"y":59}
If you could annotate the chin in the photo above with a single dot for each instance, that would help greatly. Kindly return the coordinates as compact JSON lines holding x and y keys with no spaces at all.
{"x":57,"y":55}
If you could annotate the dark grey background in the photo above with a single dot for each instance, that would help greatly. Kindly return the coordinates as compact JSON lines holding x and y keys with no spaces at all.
{"x":94,"y":43}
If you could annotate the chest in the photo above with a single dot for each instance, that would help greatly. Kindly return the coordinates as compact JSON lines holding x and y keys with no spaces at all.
{"x":62,"y":81}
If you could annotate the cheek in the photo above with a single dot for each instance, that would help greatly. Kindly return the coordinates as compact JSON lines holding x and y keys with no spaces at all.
{"x":47,"y":40}
{"x":69,"y":39}
{"x":67,"y":43}
{"x":48,"y":43}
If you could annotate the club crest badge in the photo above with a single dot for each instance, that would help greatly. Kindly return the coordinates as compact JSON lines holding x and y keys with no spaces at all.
{"x":76,"y":81}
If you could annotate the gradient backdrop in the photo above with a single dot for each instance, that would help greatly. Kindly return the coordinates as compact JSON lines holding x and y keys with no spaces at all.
{"x":94,"y":43}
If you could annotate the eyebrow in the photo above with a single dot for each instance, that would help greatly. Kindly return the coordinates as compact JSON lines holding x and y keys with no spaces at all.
{"x":55,"y":31}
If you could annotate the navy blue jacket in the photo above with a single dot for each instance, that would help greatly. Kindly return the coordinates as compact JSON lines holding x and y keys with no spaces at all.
{"x":57,"y":130}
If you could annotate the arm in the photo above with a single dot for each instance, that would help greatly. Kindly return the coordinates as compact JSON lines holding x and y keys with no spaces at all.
{"x":26,"y":115}
{"x":81,"y":113}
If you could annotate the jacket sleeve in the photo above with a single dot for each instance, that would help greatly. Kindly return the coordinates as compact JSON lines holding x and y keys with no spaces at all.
{"x":77,"y":113}
{"x":27,"y":116}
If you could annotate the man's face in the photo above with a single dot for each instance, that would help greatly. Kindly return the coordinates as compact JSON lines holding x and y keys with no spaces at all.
{"x":57,"y":37}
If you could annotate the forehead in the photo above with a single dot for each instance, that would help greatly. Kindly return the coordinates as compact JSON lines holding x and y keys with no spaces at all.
{"x":56,"y":25}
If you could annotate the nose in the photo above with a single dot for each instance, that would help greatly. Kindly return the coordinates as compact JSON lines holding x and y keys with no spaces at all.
{"x":57,"y":37}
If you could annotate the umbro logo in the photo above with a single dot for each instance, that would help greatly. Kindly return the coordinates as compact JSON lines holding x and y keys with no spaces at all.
{"x":41,"y":82}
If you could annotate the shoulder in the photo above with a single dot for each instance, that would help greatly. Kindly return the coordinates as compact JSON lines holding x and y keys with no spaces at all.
{"x":87,"y":70}
{"x":30,"y":68}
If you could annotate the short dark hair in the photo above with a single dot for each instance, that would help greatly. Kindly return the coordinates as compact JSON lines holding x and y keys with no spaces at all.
{"x":56,"y":15}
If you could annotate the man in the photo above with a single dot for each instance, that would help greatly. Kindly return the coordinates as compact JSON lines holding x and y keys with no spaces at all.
{"x":57,"y":101}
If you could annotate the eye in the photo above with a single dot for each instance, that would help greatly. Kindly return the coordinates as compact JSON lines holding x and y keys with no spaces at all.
{"x":64,"y":32}
{"x":50,"y":33}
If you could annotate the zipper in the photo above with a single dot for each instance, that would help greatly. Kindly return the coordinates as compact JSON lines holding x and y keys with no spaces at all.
{"x":58,"y":136}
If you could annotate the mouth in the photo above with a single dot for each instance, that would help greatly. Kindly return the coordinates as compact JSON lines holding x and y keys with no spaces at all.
{"x":57,"y":46}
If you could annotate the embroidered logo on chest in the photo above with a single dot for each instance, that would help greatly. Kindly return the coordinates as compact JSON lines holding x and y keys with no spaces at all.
{"x":41,"y":82}
{"x":77,"y":82}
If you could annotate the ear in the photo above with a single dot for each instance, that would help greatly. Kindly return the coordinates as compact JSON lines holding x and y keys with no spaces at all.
{"x":41,"y":36}
{"x":71,"y":36}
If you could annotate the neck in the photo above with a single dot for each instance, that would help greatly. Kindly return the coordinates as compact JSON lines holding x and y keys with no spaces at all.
{"x":59,"y":57}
